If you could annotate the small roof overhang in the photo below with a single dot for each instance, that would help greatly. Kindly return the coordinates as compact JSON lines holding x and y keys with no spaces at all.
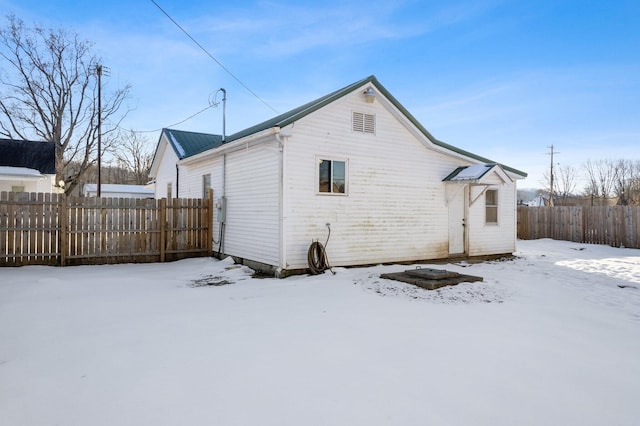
{"x":477,"y":174}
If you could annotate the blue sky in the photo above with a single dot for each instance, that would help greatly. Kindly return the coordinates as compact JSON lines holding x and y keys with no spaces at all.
{"x":503,"y":79}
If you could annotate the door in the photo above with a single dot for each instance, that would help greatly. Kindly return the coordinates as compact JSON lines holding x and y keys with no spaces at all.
{"x":457,"y":221}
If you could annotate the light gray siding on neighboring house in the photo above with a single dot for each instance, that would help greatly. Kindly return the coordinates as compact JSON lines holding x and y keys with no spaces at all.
{"x":395,"y":208}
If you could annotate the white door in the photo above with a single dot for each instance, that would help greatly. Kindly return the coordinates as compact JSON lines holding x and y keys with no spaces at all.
{"x":457,"y":222}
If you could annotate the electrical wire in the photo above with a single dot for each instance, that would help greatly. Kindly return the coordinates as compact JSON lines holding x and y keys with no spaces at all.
{"x":178,"y":123}
{"x":214,"y":59}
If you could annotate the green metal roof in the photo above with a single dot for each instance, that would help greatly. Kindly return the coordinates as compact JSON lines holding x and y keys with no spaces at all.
{"x":195,"y":143}
{"x":289,"y":117}
{"x":468,"y":173}
{"x":186,"y":144}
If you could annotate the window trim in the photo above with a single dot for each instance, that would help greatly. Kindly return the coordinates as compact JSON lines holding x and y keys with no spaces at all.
{"x":495,"y":206}
{"x":319,"y":160}
{"x":205,"y":187}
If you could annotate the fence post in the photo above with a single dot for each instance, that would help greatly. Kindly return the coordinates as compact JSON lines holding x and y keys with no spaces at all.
{"x":163,"y":225}
{"x":63,"y":212}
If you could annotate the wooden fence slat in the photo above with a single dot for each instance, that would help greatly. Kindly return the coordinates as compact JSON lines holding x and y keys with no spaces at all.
{"x":56,"y":229}
{"x":618,"y":226}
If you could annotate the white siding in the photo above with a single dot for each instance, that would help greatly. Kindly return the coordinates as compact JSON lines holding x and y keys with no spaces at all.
{"x":252,"y":230}
{"x":251,"y":184}
{"x":395,"y":209}
{"x":490,"y":238}
{"x":166,"y":171}
{"x":191,"y":186}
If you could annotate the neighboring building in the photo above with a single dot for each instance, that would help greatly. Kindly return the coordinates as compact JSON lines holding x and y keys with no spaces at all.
{"x":355,"y":161}
{"x":118,"y":191}
{"x":27,"y":166}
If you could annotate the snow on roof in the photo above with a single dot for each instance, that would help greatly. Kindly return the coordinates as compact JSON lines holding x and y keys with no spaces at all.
{"x":179,"y":147}
{"x":111,"y":187}
{"x":20,"y":171}
{"x":473,"y":172}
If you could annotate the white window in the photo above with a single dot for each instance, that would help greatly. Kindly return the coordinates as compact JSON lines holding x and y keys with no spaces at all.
{"x":491,"y":206}
{"x":169,"y":190}
{"x":332,"y":176}
{"x":363,"y":123}
{"x":206,"y":186}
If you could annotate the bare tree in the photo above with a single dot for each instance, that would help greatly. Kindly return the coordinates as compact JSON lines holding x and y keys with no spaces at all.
{"x":626,"y":181}
{"x":49,"y":92}
{"x":135,"y":154}
{"x":566,"y":181}
{"x":602,"y":176}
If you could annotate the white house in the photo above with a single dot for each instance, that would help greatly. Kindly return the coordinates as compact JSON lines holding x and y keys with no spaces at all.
{"x":27,"y":166}
{"x":354,"y":163}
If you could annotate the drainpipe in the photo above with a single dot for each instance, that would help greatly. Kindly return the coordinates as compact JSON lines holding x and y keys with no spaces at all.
{"x":222,"y":224}
{"x":281,"y":198}
{"x":177,"y":181}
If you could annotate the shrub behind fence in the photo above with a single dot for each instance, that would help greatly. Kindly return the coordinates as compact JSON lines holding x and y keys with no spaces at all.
{"x":617,"y":226}
{"x":52,"y":229}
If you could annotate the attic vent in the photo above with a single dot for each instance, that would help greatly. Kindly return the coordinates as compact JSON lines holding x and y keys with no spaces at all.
{"x":364,"y":123}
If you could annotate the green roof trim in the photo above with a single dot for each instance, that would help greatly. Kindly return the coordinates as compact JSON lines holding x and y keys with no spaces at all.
{"x":295,"y":114}
{"x":289,"y":117}
{"x":435,"y":141}
{"x":187,"y":144}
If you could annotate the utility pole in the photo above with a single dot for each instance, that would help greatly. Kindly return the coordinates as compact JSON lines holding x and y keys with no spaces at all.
{"x":99,"y":72}
{"x":551,"y":176}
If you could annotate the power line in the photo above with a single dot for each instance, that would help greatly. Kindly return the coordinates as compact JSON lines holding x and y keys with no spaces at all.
{"x":179,"y":122}
{"x":215,"y":60}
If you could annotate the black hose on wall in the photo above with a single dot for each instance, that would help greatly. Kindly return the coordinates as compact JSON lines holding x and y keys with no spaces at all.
{"x":317,"y":256}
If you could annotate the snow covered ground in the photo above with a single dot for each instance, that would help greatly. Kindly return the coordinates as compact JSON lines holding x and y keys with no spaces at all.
{"x":549,"y":338}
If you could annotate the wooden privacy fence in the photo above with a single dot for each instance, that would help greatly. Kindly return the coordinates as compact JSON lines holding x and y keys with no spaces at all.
{"x":53,"y":229}
{"x":617,"y":226}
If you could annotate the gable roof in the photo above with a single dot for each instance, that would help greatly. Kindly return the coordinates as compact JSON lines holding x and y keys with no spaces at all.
{"x":186,"y":144}
{"x":40,"y":156}
{"x":295,"y":114}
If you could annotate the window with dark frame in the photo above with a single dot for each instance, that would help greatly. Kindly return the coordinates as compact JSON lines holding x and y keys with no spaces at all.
{"x":491,"y":206}
{"x":332,"y":177}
